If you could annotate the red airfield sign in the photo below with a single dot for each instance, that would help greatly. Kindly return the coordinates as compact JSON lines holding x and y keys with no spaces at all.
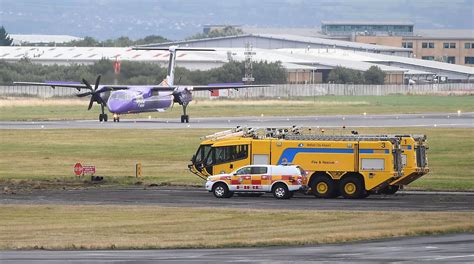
{"x":81,"y":170}
{"x":78,"y":169}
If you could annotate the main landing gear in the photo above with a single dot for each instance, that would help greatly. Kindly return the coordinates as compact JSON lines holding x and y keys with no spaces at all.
{"x":184,"y":116}
{"x":103,"y":116}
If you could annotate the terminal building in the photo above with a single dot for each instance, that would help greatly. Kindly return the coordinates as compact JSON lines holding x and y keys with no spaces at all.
{"x":384,"y":28}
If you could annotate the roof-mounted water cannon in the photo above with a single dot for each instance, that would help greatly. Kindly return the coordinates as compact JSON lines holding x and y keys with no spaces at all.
{"x":223,"y":133}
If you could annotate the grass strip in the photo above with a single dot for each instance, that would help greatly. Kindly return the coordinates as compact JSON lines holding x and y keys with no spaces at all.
{"x":68,"y":109}
{"x":153,"y":227}
{"x":45,"y":158}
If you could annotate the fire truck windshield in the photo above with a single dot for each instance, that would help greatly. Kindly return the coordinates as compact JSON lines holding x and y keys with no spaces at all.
{"x":202,"y":153}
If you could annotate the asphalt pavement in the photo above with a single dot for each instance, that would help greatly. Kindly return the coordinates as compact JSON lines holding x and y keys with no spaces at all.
{"x":462,"y":120}
{"x":458,"y":248}
{"x":199,"y":197}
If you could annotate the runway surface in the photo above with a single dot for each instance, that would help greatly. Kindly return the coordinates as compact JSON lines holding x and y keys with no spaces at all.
{"x":198,"y":197}
{"x":457,"y":248}
{"x":464,"y":120}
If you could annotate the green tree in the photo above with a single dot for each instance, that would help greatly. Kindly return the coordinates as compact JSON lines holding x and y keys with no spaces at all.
{"x":224,"y":32}
{"x":86,"y":42}
{"x":374,"y":75}
{"x":137,"y":73}
{"x":5,"y":40}
{"x":151,"y":40}
{"x":345,"y":76}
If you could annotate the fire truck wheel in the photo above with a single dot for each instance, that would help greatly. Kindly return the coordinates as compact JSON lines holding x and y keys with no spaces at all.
{"x":351,"y":187}
{"x":220,"y":190}
{"x":324,"y":187}
{"x":280,"y":191}
{"x":391,"y":189}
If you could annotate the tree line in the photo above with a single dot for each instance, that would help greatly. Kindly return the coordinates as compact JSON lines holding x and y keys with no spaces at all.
{"x":374,"y":75}
{"x":137,"y":73}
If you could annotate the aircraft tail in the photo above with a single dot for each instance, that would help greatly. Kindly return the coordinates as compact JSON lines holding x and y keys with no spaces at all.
{"x":169,"y":80}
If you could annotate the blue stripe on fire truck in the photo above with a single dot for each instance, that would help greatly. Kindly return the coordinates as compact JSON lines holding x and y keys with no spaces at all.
{"x":289,"y":154}
{"x":371,"y":151}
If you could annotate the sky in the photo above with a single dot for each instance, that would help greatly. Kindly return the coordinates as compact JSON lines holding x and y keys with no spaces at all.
{"x":178,"y":19}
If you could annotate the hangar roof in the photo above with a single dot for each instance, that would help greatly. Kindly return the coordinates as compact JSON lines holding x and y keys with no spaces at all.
{"x":332,"y":42}
{"x":295,"y":38}
{"x":374,"y":58}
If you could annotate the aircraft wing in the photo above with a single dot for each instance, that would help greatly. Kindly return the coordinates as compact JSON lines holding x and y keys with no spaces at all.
{"x":78,"y":86}
{"x":211,"y":87}
{"x":208,"y":87}
{"x":75,"y":85}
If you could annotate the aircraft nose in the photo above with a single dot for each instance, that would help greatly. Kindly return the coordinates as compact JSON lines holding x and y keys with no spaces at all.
{"x":116,"y":107}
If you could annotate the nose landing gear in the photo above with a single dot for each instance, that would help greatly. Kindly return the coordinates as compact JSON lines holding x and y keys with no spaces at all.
{"x":116,"y":118}
{"x":184,"y":116}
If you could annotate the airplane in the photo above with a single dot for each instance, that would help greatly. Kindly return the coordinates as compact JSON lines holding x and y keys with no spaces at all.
{"x":130,"y":99}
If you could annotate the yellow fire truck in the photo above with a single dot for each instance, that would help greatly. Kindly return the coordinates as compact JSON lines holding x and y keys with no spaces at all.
{"x":352,"y":166}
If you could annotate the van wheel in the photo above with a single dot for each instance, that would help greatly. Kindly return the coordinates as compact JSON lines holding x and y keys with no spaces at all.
{"x":280,"y":191}
{"x":324,"y":187}
{"x":351,"y":187}
{"x":220,"y":190}
{"x":391,"y":189}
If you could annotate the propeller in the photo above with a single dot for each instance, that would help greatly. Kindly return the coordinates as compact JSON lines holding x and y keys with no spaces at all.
{"x":94,"y":93}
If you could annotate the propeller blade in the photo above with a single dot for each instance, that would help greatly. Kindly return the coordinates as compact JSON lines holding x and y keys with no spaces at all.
{"x":84,"y":81}
{"x":83,"y":94}
{"x":97,"y":81}
{"x":90,"y":103}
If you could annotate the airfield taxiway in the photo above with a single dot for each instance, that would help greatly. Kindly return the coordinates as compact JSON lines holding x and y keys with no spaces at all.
{"x":198,"y":197}
{"x":456,"y":248}
{"x":441,"y":120}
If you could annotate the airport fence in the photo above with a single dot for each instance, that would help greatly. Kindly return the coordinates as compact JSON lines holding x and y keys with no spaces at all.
{"x":281,"y":91}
